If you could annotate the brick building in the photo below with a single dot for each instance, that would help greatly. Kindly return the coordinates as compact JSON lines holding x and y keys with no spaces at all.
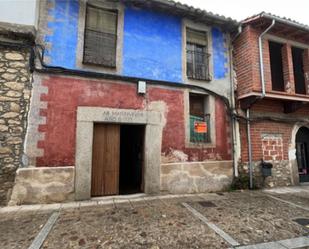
{"x":131,"y":96}
{"x":272,"y":65}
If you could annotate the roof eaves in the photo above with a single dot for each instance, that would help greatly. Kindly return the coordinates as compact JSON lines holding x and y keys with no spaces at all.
{"x":279,"y":19}
{"x":287,"y":21}
{"x":192,"y":11}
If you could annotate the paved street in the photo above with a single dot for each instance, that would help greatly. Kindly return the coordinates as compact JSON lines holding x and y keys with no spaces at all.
{"x":224,"y":220}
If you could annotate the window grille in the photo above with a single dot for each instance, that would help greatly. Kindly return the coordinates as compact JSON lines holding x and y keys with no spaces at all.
{"x":197,"y":56}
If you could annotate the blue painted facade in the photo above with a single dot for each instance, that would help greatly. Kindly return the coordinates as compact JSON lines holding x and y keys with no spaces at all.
{"x":152,"y":43}
{"x":64,"y":30}
{"x":219,"y":54}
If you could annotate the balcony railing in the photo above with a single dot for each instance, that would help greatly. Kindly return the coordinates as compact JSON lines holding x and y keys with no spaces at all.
{"x":198,"y":65}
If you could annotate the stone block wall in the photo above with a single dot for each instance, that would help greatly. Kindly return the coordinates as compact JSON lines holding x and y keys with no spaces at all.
{"x":196,"y":177}
{"x":44,"y":185}
{"x":281,"y":174}
{"x":15,"y":89}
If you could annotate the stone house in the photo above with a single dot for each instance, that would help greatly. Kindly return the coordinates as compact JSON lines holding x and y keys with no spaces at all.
{"x":272,"y":65}
{"x":128,"y":97}
{"x":15,"y":89}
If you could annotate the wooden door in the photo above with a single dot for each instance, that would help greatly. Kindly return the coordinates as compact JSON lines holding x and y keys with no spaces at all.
{"x":105,"y":160}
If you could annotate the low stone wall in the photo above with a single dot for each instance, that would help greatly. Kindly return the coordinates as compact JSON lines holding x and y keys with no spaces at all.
{"x":282,"y":174}
{"x":43,"y":185}
{"x":196,"y":177}
{"x":15,"y":87}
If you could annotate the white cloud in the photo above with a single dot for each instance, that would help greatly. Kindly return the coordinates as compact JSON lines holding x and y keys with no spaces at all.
{"x":241,"y":9}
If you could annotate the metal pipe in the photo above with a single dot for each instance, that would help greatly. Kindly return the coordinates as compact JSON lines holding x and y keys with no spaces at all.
{"x":249,"y":149}
{"x":261,"y":57}
{"x":232,"y":96}
{"x":262,"y":96}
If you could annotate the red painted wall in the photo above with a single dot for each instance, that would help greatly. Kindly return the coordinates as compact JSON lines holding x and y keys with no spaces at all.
{"x":65,"y":94}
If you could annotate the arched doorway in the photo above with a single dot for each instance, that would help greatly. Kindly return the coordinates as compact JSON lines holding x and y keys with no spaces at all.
{"x":302,"y":153}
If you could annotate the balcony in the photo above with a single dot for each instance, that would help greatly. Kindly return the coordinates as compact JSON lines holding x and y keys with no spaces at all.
{"x":286,"y":74}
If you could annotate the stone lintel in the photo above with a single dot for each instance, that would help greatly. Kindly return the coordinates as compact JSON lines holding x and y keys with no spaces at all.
{"x":113,"y":115}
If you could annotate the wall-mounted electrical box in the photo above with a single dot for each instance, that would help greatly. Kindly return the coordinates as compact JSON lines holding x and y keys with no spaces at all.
{"x":141,"y":88}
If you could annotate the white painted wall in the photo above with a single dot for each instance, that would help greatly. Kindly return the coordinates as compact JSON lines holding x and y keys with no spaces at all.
{"x":19,"y":11}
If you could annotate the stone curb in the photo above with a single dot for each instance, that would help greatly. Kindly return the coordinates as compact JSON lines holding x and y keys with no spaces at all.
{"x":93,"y":202}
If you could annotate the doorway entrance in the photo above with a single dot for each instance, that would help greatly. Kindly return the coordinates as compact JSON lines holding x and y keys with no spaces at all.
{"x":131,"y":159}
{"x":302,"y":153}
{"x":117,"y":159}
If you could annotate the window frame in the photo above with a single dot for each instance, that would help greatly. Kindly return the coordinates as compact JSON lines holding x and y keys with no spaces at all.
{"x":210,"y":108}
{"x":292,"y":43}
{"x":190,"y":24}
{"x":274,"y":81}
{"x":81,"y":29}
{"x":205,"y":117}
{"x":116,"y":36}
{"x":295,"y":72}
{"x":205,"y":53}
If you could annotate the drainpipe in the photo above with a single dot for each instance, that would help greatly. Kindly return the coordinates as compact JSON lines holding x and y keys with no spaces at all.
{"x":249,"y":149}
{"x":232,"y":97}
{"x":261,"y":57}
{"x":262,"y":96}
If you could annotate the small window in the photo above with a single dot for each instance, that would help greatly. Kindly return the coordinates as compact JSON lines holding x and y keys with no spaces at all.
{"x":298,"y":68}
{"x":100,"y":37}
{"x":199,"y":119}
{"x":197,"y":56}
{"x":277,"y":79}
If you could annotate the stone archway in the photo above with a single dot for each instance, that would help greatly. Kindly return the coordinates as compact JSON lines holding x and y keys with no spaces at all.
{"x":293,"y":152}
{"x":302,"y":153}
{"x":87,"y":116}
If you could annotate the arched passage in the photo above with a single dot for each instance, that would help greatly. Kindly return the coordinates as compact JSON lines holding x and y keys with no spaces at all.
{"x":302,"y":153}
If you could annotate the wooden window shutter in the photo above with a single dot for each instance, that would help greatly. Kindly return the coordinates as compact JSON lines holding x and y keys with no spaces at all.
{"x":196,"y":37}
{"x":100,"y":38}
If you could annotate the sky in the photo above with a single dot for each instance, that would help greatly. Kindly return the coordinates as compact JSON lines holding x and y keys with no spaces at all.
{"x":297,"y":10}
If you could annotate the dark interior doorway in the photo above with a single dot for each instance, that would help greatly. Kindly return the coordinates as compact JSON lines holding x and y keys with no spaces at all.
{"x":276,"y":67}
{"x":131,"y":159}
{"x":298,"y":68}
{"x":302,"y":153}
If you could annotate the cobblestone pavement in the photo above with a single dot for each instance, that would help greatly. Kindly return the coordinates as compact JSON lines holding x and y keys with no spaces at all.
{"x":162,"y":222}
{"x":297,"y":195}
{"x":252,"y":218}
{"x":17,"y":230}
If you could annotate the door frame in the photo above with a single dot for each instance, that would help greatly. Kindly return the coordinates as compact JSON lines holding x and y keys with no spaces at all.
{"x":87,"y":116}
